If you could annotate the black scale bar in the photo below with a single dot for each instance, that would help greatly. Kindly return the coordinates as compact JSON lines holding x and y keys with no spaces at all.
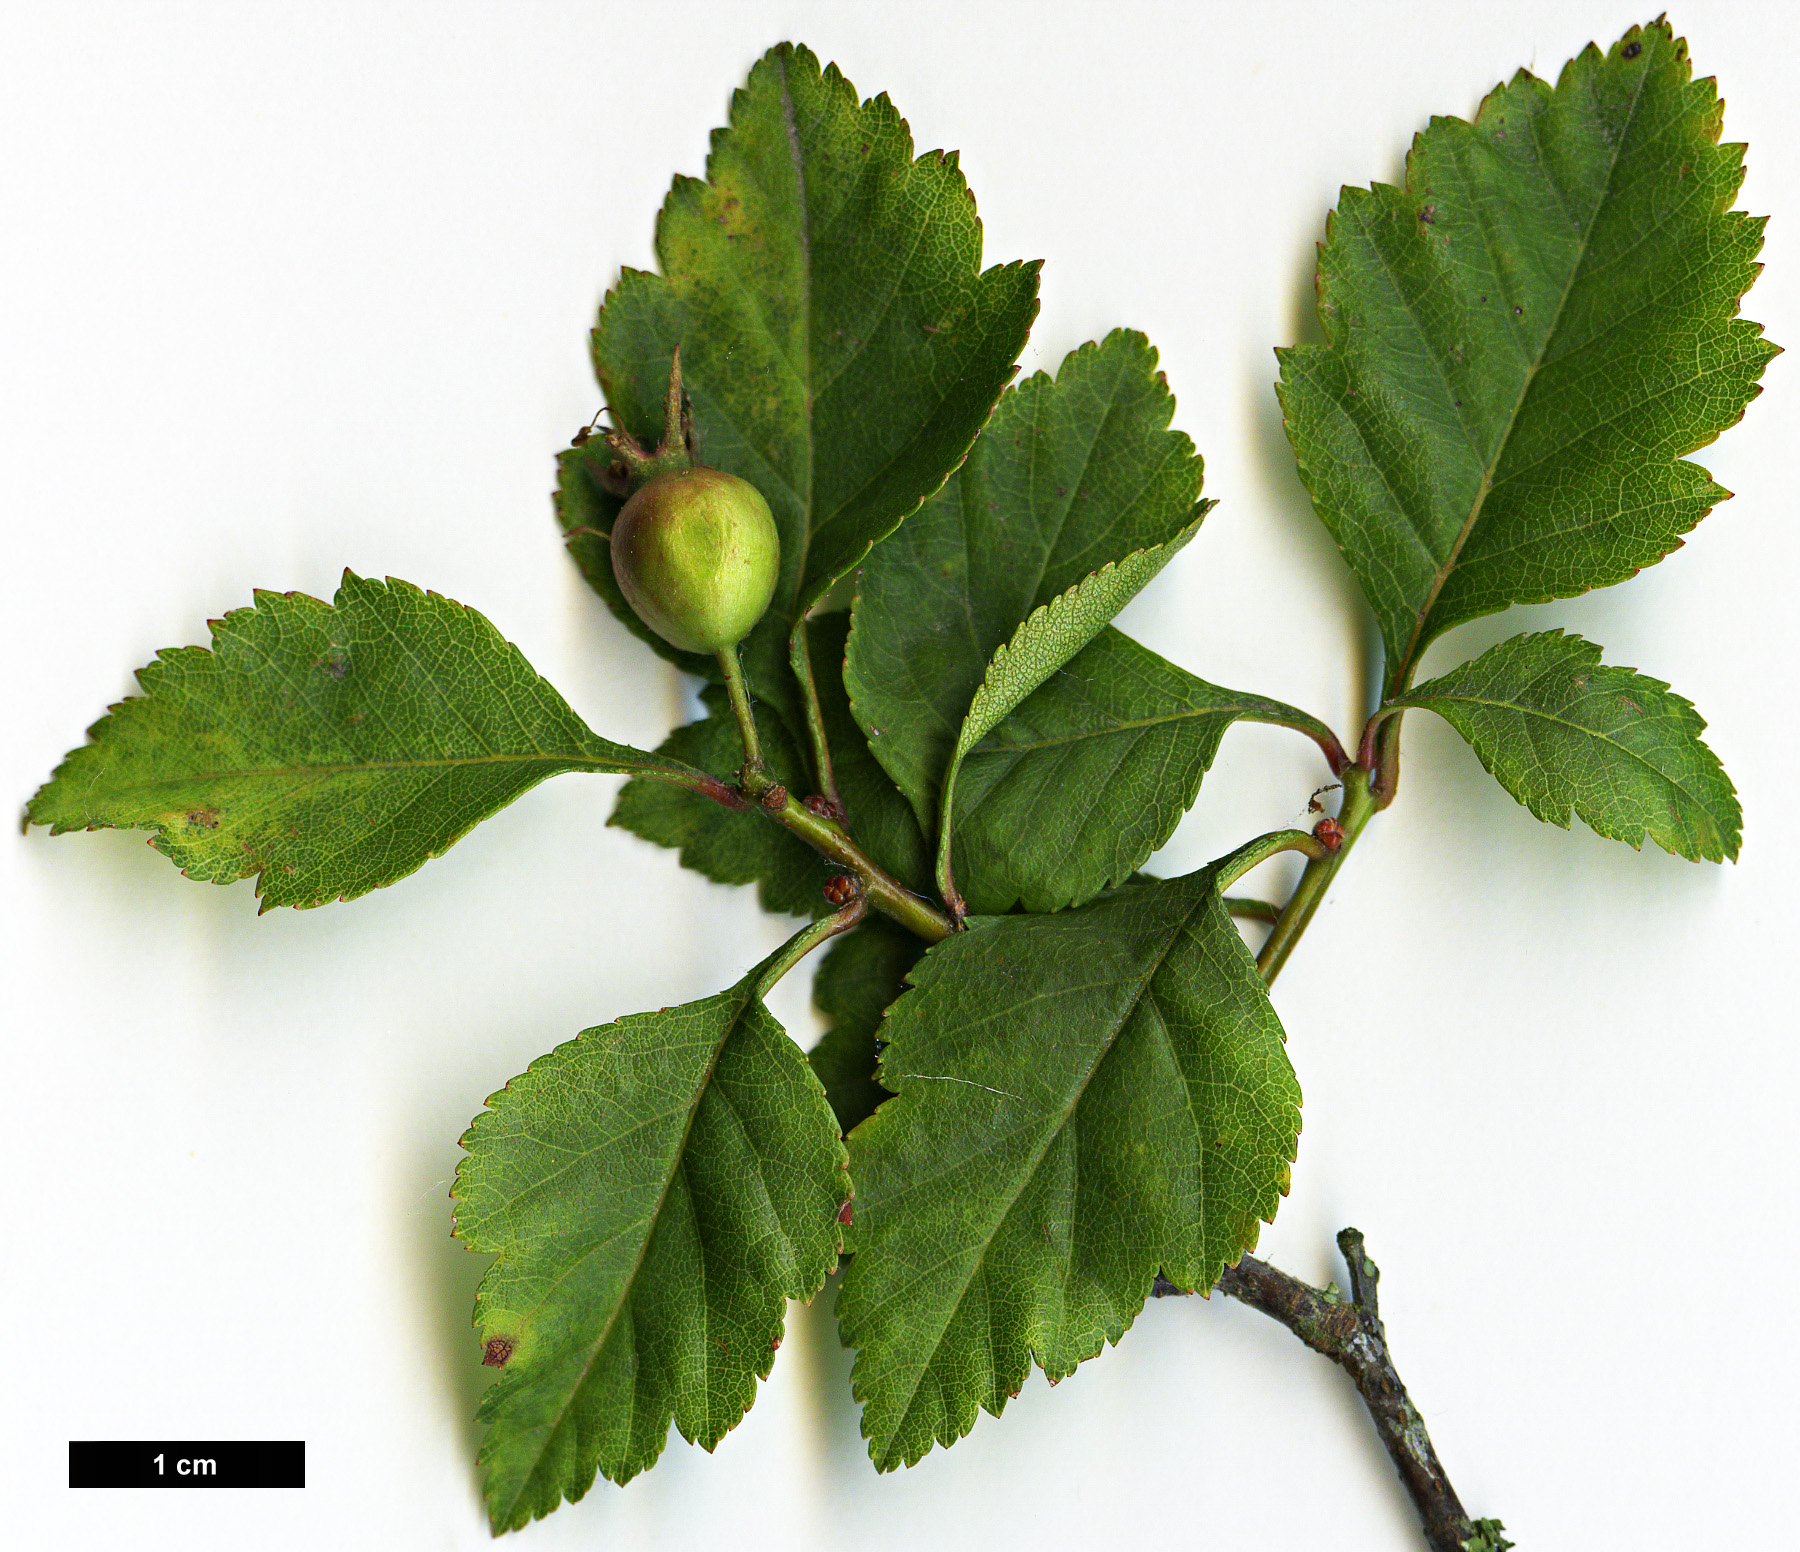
{"x":187,"y":1463}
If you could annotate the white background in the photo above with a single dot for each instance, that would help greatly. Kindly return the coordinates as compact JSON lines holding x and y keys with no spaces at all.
{"x":292,"y":288}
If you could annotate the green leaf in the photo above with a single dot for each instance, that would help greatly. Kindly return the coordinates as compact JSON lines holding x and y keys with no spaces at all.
{"x":1091,"y":773}
{"x":1048,"y":639}
{"x":1084,"y":1099}
{"x":655,"y":1190}
{"x":1563,"y":733}
{"x":328,"y":749}
{"x":1525,"y":340}
{"x":859,"y":977}
{"x":729,"y":844}
{"x":878,"y":816}
{"x":1069,"y":474}
{"x":839,"y":341}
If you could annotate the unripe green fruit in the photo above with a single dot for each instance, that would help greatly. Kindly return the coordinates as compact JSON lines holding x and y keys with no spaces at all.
{"x":696,"y":554}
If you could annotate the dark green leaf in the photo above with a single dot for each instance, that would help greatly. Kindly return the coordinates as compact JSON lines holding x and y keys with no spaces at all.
{"x":1525,"y":340}
{"x":329,"y":749}
{"x":1084,"y":1099}
{"x":858,"y":978}
{"x":879,"y":817}
{"x":839,"y":340}
{"x":1069,"y":475}
{"x":1049,"y":638}
{"x":1080,"y":784}
{"x":729,"y":845}
{"x":655,"y":1190}
{"x":1563,"y":733}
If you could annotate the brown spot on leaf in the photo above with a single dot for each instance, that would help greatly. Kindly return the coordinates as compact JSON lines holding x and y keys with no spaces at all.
{"x":1631,"y":50}
{"x":205,"y":818}
{"x":845,"y":1211}
{"x":498,"y":1350}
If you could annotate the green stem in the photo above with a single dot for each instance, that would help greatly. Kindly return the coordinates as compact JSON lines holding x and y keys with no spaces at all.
{"x":809,"y":938}
{"x":1359,"y":806}
{"x":1264,"y":911}
{"x":827,"y":837}
{"x":1254,"y":853}
{"x":1386,"y":781}
{"x":1304,"y":722}
{"x":740,"y":707}
{"x":822,"y":832}
{"x":800,"y":659}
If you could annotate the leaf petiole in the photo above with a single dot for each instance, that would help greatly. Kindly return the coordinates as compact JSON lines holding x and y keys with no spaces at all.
{"x":811,"y":937}
{"x":1254,"y":853}
{"x":886,"y":893}
{"x":800,"y":658}
{"x":1378,"y":752}
{"x":746,"y":717}
{"x":1264,"y":911}
{"x":1359,"y":805}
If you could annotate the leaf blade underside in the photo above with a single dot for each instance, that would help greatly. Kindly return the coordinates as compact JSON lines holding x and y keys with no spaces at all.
{"x":1525,"y":341}
{"x":654,"y":1190}
{"x":327,"y":749}
{"x":1083,"y":1100}
{"x":1563,"y":733}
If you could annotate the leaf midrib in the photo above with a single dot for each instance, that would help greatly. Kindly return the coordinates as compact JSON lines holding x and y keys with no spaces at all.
{"x":1236,"y":713}
{"x":806,"y":311}
{"x":1402,"y":671}
{"x":1427,"y":704}
{"x":375,"y":767}
{"x":677,"y":1158}
{"x":1028,"y":1172}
